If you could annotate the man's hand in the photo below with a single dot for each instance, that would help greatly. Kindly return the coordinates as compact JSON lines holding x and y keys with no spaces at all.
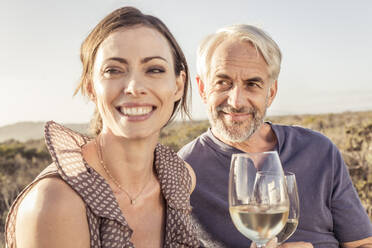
{"x":273,"y":244}
{"x":296,"y":245}
{"x":363,"y":243}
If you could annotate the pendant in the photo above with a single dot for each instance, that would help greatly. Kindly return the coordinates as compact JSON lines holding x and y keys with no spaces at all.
{"x":132,"y":201}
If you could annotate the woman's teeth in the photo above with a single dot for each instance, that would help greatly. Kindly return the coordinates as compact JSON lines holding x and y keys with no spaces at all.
{"x":135,"y":110}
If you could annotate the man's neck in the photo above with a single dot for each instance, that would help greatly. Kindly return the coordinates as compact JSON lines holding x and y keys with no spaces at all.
{"x":262,"y":140}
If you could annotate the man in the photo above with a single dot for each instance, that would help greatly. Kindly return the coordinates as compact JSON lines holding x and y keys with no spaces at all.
{"x":238,"y":68}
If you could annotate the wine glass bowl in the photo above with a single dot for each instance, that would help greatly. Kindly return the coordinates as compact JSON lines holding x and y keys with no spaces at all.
{"x":294,"y":209}
{"x":258,"y":199}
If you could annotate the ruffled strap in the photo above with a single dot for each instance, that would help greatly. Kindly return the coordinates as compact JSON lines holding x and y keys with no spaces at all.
{"x":65,"y":148}
{"x":174,"y":177}
{"x":175,"y":181}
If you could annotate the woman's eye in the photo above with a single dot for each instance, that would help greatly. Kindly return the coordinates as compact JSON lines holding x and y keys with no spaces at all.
{"x":155,"y":70}
{"x":111,"y":71}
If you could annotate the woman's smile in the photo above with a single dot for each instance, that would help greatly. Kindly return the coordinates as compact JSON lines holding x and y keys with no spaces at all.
{"x":136,"y":112}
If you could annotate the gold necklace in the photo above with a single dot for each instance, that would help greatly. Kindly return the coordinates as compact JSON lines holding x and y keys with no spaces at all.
{"x":99,"y":153}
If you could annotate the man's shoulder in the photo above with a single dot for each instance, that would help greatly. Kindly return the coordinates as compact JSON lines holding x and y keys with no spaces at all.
{"x":298,"y":134}
{"x":193,"y":146}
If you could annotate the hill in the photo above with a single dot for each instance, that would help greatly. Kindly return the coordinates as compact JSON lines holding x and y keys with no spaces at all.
{"x":24,"y":131}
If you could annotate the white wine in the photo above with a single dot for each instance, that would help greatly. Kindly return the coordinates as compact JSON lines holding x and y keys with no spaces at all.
{"x":258,"y":223}
{"x":288,"y":230}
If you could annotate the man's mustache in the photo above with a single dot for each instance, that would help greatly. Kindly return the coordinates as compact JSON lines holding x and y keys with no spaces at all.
{"x":229,"y":109}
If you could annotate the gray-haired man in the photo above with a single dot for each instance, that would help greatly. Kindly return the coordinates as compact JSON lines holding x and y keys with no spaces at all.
{"x":238,"y":68}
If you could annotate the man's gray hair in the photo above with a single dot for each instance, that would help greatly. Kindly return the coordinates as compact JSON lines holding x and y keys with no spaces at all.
{"x":242,"y":32}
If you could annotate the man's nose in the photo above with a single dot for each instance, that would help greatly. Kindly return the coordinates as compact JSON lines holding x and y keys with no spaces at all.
{"x":236,"y":97}
{"x":135,"y":86}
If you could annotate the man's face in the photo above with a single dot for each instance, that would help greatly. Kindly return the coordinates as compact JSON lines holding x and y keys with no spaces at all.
{"x":237,"y":90}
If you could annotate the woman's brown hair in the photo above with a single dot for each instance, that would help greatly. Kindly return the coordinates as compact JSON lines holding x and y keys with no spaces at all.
{"x":123,"y":18}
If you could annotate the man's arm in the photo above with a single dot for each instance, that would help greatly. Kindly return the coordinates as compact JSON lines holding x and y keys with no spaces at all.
{"x":350,"y":219}
{"x":363,"y":243}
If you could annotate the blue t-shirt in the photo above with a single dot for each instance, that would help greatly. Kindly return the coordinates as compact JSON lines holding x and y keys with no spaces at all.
{"x":330,"y":209}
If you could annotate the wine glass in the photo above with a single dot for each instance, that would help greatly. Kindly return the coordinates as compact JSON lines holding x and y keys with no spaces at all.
{"x":294,"y":209}
{"x":258,"y":199}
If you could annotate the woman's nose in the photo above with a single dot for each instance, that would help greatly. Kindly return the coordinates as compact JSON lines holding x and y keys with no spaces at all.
{"x":135,"y":87}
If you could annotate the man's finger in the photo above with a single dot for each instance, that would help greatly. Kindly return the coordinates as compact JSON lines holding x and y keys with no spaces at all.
{"x":296,"y":245}
{"x":273,"y":243}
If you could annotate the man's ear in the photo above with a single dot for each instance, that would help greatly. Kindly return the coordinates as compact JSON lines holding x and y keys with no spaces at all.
{"x":272,"y":93}
{"x":201,"y":88}
{"x":180,"y":85}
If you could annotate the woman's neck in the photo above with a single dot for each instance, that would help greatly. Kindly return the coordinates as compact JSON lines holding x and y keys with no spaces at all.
{"x":129,"y":161}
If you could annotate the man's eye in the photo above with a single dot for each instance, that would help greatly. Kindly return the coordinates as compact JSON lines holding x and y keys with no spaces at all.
{"x":254,"y":84}
{"x":222,"y":83}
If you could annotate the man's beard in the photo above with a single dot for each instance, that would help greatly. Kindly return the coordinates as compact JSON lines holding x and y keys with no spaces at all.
{"x":235,"y":131}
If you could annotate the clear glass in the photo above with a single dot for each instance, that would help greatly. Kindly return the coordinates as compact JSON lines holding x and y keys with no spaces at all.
{"x":258,"y":198}
{"x":294,"y":208}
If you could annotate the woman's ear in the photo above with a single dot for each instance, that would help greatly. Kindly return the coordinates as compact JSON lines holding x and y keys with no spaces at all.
{"x":180,"y":85}
{"x":91,"y":92}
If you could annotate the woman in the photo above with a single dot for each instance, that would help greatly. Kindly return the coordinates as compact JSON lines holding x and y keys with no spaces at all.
{"x":122,"y":188}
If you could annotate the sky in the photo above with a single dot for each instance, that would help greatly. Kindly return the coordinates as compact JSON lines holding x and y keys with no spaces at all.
{"x":326,"y":47}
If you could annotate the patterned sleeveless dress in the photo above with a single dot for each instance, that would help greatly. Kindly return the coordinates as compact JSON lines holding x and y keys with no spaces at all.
{"x":107,"y":225}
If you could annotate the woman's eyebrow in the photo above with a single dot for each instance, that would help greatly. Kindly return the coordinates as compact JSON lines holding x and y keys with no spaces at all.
{"x":144,"y":60}
{"x":147,"y":59}
{"x":118,"y":59}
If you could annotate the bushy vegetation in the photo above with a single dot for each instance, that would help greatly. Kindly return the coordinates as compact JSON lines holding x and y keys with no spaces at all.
{"x":19,"y":164}
{"x":351,"y":132}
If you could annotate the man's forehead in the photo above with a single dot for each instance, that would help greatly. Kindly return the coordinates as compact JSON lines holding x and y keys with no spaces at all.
{"x":234,"y":54}
{"x":234,"y":48}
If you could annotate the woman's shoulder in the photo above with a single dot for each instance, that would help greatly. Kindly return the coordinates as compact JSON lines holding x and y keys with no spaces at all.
{"x":192,"y":175}
{"x":53,"y":192}
{"x":51,"y":213}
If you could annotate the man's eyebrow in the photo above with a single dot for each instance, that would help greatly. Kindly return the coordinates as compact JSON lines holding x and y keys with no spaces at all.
{"x":118,"y":59}
{"x":255,"y":79}
{"x":223,"y":76}
{"x":147,"y":59}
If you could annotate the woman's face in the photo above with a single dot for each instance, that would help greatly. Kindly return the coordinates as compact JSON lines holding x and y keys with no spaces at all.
{"x":134,"y":82}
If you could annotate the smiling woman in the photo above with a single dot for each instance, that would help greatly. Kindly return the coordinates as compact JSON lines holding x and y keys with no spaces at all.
{"x":151,"y":87}
{"x":121,"y":188}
